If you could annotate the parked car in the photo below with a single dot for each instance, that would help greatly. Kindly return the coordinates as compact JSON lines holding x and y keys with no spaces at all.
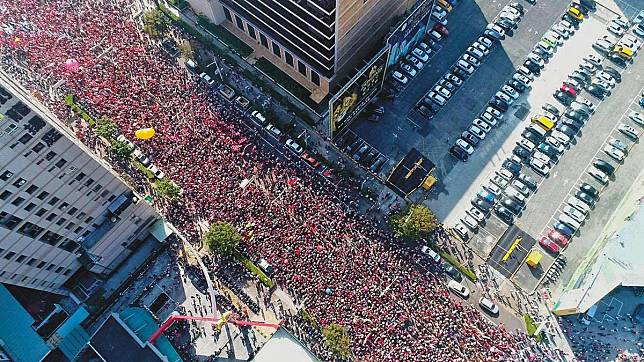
{"x":629,"y":131}
{"x":458,"y":289}
{"x":548,"y":244}
{"x":488,"y":306}
{"x":290,"y":143}
{"x":399,"y":77}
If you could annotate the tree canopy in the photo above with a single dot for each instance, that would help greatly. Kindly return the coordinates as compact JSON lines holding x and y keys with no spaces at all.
{"x":414,"y":222}
{"x":121,"y":149}
{"x":337,"y":340}
{"x":106,"y":128}
{"x":168,"y":189}
{"x":222,"y":238}
{"x":155,"y":23}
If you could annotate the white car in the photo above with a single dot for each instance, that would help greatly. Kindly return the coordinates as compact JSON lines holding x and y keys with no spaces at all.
{"x":578,"y":204}
{"x":488,"y":306}
{"x":522,"y":79}
{"x":639,"y":17}
{"x":629,"y":131}
{"x":477,"y":132}
{"x":592,"y":58}
{"x":504,"y":97}
{"x":482,"y":48}
{"x":431,"y":253}
{"x":598,"y":174}
{"x":258,"y":117}
{"x":631,"y":42}
{"x":489,"y":119}
{"x":128,"y":143}
{"x":398,"y":76}
{"x":606,"y":78}
{"x":493,"y":189}
{"x":438,"y":13}
{"x":542,"y":157}
{"x":482,"y":125}
{"x":521,"y":187}
{"x":477,"y":214}
{"x":615,"y":29}
{"x":475,"y":52}
{"x":510,"y":91}
{"x":485,"y":41}
{"x":546,"y":47}
{"x":574,"y":213}
{"x":465,"y":146}
{"x":535,"y":58}
{"x":561,"y":30}
{"x":586,"y":102}
{"x":411,"y":71}
{"x":453,"y":79}
{"x":156,"y":172}
{"x":614,"y":152}
{"x":540,"y":167}
{"x":527,"y":144}
{"x":207,"y":78}
{"x":505,"y":174}
{"x":443,"y":91}
{"x":566,"y":24}
{"x":495,"y":112}
{"x":420,"y":54}
{"x":461,"y":231}
{"x":467,"y":67}
{"x":470,"y":222}
{"x":437,"y":98}
{"x":414,"y":61}
{"x":561,"y":137}
{"x":472,"y":60}
{"x":294,"y":146}
{"x":458,"y":289}
{"x":621,"y":21}
{"x":637,"y":118}
{"x":555,"y":143}
{"x":273,"y":130}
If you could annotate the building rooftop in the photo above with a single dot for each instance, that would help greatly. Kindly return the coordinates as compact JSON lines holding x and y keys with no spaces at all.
{"x":284,"y":347}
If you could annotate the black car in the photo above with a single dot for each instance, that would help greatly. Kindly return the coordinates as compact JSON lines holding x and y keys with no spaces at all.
{"x":518,"y":7}
{"x":499,"y":104}
{"x":512,"y":166}
{"x":504,"y":214}
{"x":451,"y":271}
{"x":541,"y":53}
{"x":528,"y":181}
{"x":619,"y":61}
{"x":532,"y":136}
{"x":481,"y":204}
{"x":574,"y":22}
{"x":572,"y":124}
{"x":511,"y":205}
{"x":506,"y":24}
{"x":548,"y":150}
{"x":589,"y":189}
{"x":426,"y":111}
{"x":522,"y":153}
{"x":460,"y":73}
{"x":579,"y":78}
{"x":520,"y":87}
{"x":470,"y":138}
{"x":576,"y":115}
{"x":603,"y":86}
{"x":604,"y":166}
{"x":563,"y":97}
{"x":598,"y":92}
{"x":534,"y":67}
{"x":459,"y":153}
{"x":568,"y":131}
{"x":552,"y":109}
{"x":564,"y":229}
{"x":589,"y":200}
{"x":613,"y":73}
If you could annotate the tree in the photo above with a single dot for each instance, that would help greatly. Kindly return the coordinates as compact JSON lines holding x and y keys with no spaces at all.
{"x":186,"y":49}
{"x":167,"y":188}
{"x":121,"y":149}
{"x":155,"y":23}
{"x":337,"y":340}
{"x":414,"y":222}
{"x":106,"y":128}
{"x":222,"y":238}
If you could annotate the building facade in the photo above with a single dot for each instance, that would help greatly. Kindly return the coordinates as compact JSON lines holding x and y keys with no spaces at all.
{"x":319,"y":42}
{"x":62,"y":210}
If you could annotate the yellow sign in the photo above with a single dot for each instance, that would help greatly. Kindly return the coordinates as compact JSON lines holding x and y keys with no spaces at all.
{"x":511,"y":249}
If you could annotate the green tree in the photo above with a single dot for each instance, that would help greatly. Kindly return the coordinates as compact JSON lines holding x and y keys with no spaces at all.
{"x":186,"y":49}
{"x":106,"y":128}
{"x":121,"y":149}
{"x":155,"y":23}
{"x":414,"y":222}
{"x":222,"y":238}
{"x":337,"y":340}
{"x":168,"y":189}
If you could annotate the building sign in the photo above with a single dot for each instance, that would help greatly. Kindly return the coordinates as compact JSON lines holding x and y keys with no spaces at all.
{"x":409,"y":32}
{"x":357,"y":93}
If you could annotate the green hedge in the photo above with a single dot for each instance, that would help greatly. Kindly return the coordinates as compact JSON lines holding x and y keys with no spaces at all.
{"x":464,"y":270}
{"x":69,"y":100}
{"x":254,"y":269}
{"x":531,"y":327}
{"x":144,"y":170}
{"x":225,"y":36}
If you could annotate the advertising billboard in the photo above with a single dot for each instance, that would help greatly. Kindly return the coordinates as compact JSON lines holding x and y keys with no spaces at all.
{"x":409,"y":32}
{"x":357,"y":93}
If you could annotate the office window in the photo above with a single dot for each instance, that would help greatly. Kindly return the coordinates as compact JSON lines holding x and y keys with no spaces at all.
{"x":239,"y":22}
{"x":32,"y":261}
{"x":61,"y":221}
{"x":89,"y":219}
{"x":263,"y":40}
{"x":289,"y":58}
{"x":6,"y":175}
{"x":52,"y":216}
{"x":53,"y":201}
{"x":9,"y":221}
{"x":69,"y":245}
{"x":70,"y":226}
{"x":51,"y":238}
{"x":63,"y":206}
{"x":50,"y":155}
{"x":50,"y":267}
{"x":38,"y":147}
{"x":41,"y":265}
{"x":227,"y":14}
{"x":276,"y":50}
{"x":111,"y":198}
{"x":25,"y":138}
{"x":30,"y":207}
{"x":18,"y":201}
{"x":5,"y":194}
{"x":59,"y":269}
{"x":61,"y":163}
{"x":31,"y":189}
{"x":81,"y":215}
{"x":41,"y":212}
{"x":72,"y":211}
{"x":251,"y":31}
{"x":30,"y":230}
{"x":10,"y":255}
{"x":104,"y":193}
{"x":301,"y":68}
{"x":89,"y":182}
{"x":315,"y":78}
{"x":78,"y":229}
{"x":20,"y":182}
{"x":86,"y":233}
{"x":43,"y":195}
{"x":80,"y":176}
{"x":67,"y":272}
{"x":21,"y":258}
{"x":97,"y":187}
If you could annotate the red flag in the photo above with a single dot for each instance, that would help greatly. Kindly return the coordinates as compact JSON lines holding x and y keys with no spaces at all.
{"x":291,"y":182}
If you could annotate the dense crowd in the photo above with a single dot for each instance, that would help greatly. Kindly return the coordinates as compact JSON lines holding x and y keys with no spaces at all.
{"x":343,"y":267}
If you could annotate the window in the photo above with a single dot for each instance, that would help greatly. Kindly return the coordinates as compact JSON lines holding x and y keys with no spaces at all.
{"x":30,"y":230}
{"x":41,"y":265}
{"x":25,"y":138}
{"x":41,"y":212}
{"x":80,"y":176}
{"x":89,"y":219}
{"x":251,"y":31}
{"x":53,"y":201}
{"x":59,"y":269}
{"x":51,"y":238}
{"x":78,"y":229}
{"x":9,"y":255}
{"x":63,"y":206}
{"x":38,"y":147}
{"x":289,"y":58}
{"x":69,"y":245}
{"x":32,"y":261}
{"x":9,"y":221}
{"x":276,"y":50}
{"x":18,"y":201}
{"x":86,"y":233}
{"x":50,"y":155}
{"x":61,"y":163}
{"x":43,"y":195}
{"x":70,"y":226}
{"x":81,"y":215}
{"x":20,"y":182}
{"x":97,"y":187}
{"x":31,"y":189}
{"x":21,"y":258}
{"x":6,"y":175}
{"x":301,"y":68}
{"x":30,"y":207}
{"x":52,"y":216}
{"x":61,"y":221}
{"x":239,"y":22}
{"x":111,"y":198}
{"x":50,"y":267}
{"x":72,"y":211}
{"x":5,"y":194}
{"x":263,"y":40}
{"x":104,"y":193}
{"x":227,"y":14}
{"x":67,"y":272}
{"x":89,"y":182}
{"x":315,"y":78}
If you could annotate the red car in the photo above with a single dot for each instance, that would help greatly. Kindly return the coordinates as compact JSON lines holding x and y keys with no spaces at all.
{"x":560,"y":238}
{"x":312,"y":161}
{"x":569,"y":89}
{"x":548,"y":244}
{"x":442,"y":29}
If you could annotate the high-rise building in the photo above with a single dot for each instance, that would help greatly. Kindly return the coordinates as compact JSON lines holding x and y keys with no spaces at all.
{"x":62,"y":210}
{"x":320,"y":43}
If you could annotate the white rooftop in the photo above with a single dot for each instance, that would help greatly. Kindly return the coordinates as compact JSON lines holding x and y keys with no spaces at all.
{"x":284,"y":347}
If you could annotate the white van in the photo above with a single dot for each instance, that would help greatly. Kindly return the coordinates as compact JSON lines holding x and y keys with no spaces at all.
{"x":538,"y":130}
{"x":430,"y":253}
{"x":569,"y":221}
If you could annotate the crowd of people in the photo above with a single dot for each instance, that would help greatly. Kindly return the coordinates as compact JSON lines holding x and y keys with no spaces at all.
{"x":344,"y":268}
